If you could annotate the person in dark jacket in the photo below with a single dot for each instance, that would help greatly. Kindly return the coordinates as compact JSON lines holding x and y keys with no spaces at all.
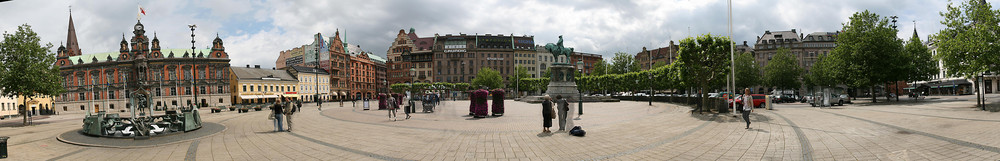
{"x":277,"y":109}
{"x":547,"y":113}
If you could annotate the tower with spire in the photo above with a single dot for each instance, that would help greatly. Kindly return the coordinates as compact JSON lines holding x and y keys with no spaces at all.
{"x":71,"y":48}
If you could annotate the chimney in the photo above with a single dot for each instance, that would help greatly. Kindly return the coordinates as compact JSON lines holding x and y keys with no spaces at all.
{"x":793,"y":30}
{"x":744,"y":43}
{"x":256,"y":66}
{"x":248,"y":65}
{"x":767,"y":31}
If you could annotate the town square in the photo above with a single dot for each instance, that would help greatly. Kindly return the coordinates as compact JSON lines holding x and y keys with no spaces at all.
{"x":499,"y":80}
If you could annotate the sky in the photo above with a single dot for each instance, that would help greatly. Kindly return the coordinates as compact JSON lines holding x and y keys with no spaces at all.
{"x":255,"y":31}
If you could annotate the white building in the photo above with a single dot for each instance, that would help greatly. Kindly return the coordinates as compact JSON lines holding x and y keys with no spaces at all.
{"x":8,"y":107}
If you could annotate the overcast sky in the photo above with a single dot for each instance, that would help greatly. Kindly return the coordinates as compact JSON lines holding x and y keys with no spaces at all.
{"x":254,"y":31}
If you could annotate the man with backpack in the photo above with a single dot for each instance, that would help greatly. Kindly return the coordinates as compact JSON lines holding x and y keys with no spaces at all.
{"x":292,"y":107}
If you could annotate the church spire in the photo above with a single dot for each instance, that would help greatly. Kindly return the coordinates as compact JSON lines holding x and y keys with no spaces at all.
{"x":71,"y":43}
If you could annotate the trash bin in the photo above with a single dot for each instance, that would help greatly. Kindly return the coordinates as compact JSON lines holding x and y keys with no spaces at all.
{"x":3,"y":146}
{"x":767,"y":102}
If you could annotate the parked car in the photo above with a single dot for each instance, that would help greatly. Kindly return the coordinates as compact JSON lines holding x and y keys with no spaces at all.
{"x":758,"y":100}
{"x":660,"y":94}
{"x":804,"y":99}
{"x":834,"y":100}
{"x":845,"y":98}
{"x":788,"y":98}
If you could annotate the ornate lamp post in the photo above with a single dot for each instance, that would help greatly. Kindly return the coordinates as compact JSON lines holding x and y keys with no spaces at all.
{"x":194,"y":79}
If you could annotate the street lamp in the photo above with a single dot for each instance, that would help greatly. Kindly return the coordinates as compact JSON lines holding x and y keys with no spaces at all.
{"x":650,"y":75}
{"x":579,"y":64}
{"x":413,"y":75}
{"x":194,"y":79}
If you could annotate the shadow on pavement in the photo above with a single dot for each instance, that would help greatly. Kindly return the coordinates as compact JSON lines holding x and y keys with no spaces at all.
{"x":729,"y":117}
{"x":544,"y":134}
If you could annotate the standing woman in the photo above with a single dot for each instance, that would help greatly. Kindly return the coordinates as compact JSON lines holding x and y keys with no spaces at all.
{"x":563,"y":108}
{"x":547,"y":113}
{"x":747,"y":106}
{"x":277,"y":109}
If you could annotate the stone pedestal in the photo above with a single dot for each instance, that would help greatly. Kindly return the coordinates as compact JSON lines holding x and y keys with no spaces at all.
{"x":562,"y":82}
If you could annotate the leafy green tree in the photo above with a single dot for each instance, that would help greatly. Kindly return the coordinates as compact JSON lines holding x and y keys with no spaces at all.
{"x":823,"y":73}
{"x":27,"y":67}
{"x":623,"y":63}
{"x":704,"y":62}
{"x":747,"y":72}
{"x":923,"y":66}
{"x":399,"y":87}
{"x":659,"y":64}
{"x":783,"y":71}
{"x":869,"y":51}
{"x":520,"y":72}
{"x":487,"y":78}
{"x":461,"y":86}
{"x":969,"y":44}
{"x":600,"y":68}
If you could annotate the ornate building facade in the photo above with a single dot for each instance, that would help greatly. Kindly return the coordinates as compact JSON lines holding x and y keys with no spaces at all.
{"x":99,"y":81}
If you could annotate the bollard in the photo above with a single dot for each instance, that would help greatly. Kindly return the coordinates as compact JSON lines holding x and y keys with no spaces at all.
{"x":3,"y":146}
{"x":767,"y":102}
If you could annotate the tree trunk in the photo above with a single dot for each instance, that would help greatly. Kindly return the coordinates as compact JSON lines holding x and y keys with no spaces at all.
{"x":871,"y":91}
{"x":979,"y":100}
{"x":24,"y":103}
{"x":897,"y":91}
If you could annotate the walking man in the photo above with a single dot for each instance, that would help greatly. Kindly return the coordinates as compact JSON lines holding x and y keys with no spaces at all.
{"x":391,"y":103}
{"x":563,"y":107}
{"x":747,"y":106}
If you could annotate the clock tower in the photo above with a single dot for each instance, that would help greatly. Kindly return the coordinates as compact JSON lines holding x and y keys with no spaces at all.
{"x":140,"y":43}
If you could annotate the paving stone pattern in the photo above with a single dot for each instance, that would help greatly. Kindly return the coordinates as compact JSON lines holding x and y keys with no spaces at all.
{"x":935,"y":129}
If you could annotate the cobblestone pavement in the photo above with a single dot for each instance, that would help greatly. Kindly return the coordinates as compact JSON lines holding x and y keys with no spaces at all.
{"x":940,"y":128}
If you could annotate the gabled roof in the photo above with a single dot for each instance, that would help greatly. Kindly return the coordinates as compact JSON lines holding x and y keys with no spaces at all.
{"x":423,"y":43}
{"x":260,"y":74}
{"x":302,"y":69}
{"x":785,"y":36}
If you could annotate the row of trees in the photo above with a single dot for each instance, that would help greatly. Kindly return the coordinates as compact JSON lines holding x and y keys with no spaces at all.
{"x":868,"y":54}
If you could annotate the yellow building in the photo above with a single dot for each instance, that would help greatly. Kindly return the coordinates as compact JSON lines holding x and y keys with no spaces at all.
{"x":312,"y":80}
{"x":255,"y":85}
{"x":39,"y":105}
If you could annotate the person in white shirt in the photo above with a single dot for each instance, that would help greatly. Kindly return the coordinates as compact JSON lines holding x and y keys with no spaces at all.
{"x":747,"y":106}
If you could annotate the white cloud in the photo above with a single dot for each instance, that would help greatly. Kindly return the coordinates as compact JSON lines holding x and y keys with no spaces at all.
{"x":256,"y":30}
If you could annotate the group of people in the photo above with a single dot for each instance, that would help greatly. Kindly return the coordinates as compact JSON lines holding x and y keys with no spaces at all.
{"x":548,"y":113}
{"x":393,"y":105}
{"x":283,"y":110}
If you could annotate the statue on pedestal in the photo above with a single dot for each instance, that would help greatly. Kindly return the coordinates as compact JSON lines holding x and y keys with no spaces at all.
{"x":558,"y":49}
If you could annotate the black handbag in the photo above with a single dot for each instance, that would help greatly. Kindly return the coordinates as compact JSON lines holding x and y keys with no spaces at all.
{"x":577,"y":131}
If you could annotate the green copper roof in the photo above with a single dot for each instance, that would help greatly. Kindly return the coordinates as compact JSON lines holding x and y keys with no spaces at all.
{"x":376,"y":57}
{"x":102,"y":57}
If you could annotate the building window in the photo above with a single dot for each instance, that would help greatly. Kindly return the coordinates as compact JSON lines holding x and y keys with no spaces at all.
{"x":187,"y":90}
{"x":158,"y":92}
{"x":173,"y":91}
{"x":245,"y":88}
{"x":220,"y":89}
